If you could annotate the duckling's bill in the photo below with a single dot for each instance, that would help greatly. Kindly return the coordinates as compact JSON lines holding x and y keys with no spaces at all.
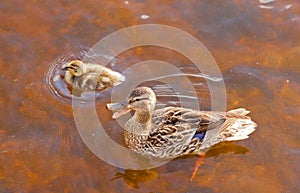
{"x":119,"y":108}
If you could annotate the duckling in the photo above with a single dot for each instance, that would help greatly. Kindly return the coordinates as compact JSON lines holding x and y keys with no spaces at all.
{"x":88,"y":76}
{"x":171,"y":132}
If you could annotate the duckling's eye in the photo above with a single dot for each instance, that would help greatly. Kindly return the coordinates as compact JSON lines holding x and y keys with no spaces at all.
{"x":137,"y":99}
{"x":73,"y":65}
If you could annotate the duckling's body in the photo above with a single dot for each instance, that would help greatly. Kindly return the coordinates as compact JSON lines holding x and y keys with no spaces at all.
{"x":173,"y":131}
{"x":88,"y":76}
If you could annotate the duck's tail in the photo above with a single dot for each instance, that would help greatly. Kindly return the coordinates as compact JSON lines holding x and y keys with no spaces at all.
{"x":237,"y":126}
{"x":113,"y":77}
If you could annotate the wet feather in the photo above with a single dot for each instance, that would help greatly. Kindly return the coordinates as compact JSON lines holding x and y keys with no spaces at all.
{"x":174,"y":131}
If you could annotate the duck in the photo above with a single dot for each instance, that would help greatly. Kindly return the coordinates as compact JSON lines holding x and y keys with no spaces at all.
{"x":90,"y":76}
{"x":171,"y":132}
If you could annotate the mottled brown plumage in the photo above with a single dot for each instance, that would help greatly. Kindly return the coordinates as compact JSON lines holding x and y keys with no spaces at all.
{"x":173,"y":131}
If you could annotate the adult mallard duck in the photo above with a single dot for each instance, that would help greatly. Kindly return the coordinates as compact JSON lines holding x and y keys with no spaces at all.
{"x":173,"y":131}
{"x":89,"y":76}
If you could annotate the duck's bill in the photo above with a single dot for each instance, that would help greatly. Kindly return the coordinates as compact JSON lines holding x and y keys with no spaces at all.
{"x":119,"y":108}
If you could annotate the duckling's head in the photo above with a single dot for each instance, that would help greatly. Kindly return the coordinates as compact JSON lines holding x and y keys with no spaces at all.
{"x":141,"y":100}
{"x":75,"y":67}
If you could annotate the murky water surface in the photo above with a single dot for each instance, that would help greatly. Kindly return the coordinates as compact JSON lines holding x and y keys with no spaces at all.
{"x":255,"y":43}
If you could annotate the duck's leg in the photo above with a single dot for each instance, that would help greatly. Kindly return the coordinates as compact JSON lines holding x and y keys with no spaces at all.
{"x":199,"y":162}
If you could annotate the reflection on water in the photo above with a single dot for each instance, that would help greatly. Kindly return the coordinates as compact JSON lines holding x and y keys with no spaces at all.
{"x":135,"y":177}
{"x":255,"y":43}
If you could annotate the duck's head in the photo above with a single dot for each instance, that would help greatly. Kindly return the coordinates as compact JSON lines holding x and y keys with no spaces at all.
{"x":75,"y":67}
{"x":141,"y":100}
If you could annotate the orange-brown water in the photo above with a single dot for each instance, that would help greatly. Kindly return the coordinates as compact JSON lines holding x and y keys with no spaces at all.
{"x":257,"y":50}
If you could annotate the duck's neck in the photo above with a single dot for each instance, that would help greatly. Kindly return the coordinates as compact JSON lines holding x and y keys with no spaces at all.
{"x":139,"y":124}
{"x":142,"y":117}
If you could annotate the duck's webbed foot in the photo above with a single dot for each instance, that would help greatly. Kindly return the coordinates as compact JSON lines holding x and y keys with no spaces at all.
{"x":199,"y":162}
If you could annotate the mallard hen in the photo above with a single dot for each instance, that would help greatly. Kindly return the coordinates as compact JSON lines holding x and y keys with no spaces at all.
{"x":173,"y":131}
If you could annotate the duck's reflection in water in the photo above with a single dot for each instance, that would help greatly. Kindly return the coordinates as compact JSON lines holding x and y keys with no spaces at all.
{"x":134,"y":178}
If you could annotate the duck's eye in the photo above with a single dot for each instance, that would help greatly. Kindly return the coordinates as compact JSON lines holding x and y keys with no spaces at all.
{"x":137,"y":99}
{"x":73,"y":65}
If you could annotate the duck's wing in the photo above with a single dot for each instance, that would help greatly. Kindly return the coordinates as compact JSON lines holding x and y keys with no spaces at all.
{"x":185,"y":119}
{"x":106,"y":76}
{"x":88,"y":81}
{"x":174,"y":129}
{"x":98,"y":80}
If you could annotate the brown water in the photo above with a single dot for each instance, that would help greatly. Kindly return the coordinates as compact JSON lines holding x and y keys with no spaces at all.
{"x":257,"y":50}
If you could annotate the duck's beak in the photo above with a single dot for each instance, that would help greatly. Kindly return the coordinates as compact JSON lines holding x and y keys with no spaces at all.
{"x":119,"y":108}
